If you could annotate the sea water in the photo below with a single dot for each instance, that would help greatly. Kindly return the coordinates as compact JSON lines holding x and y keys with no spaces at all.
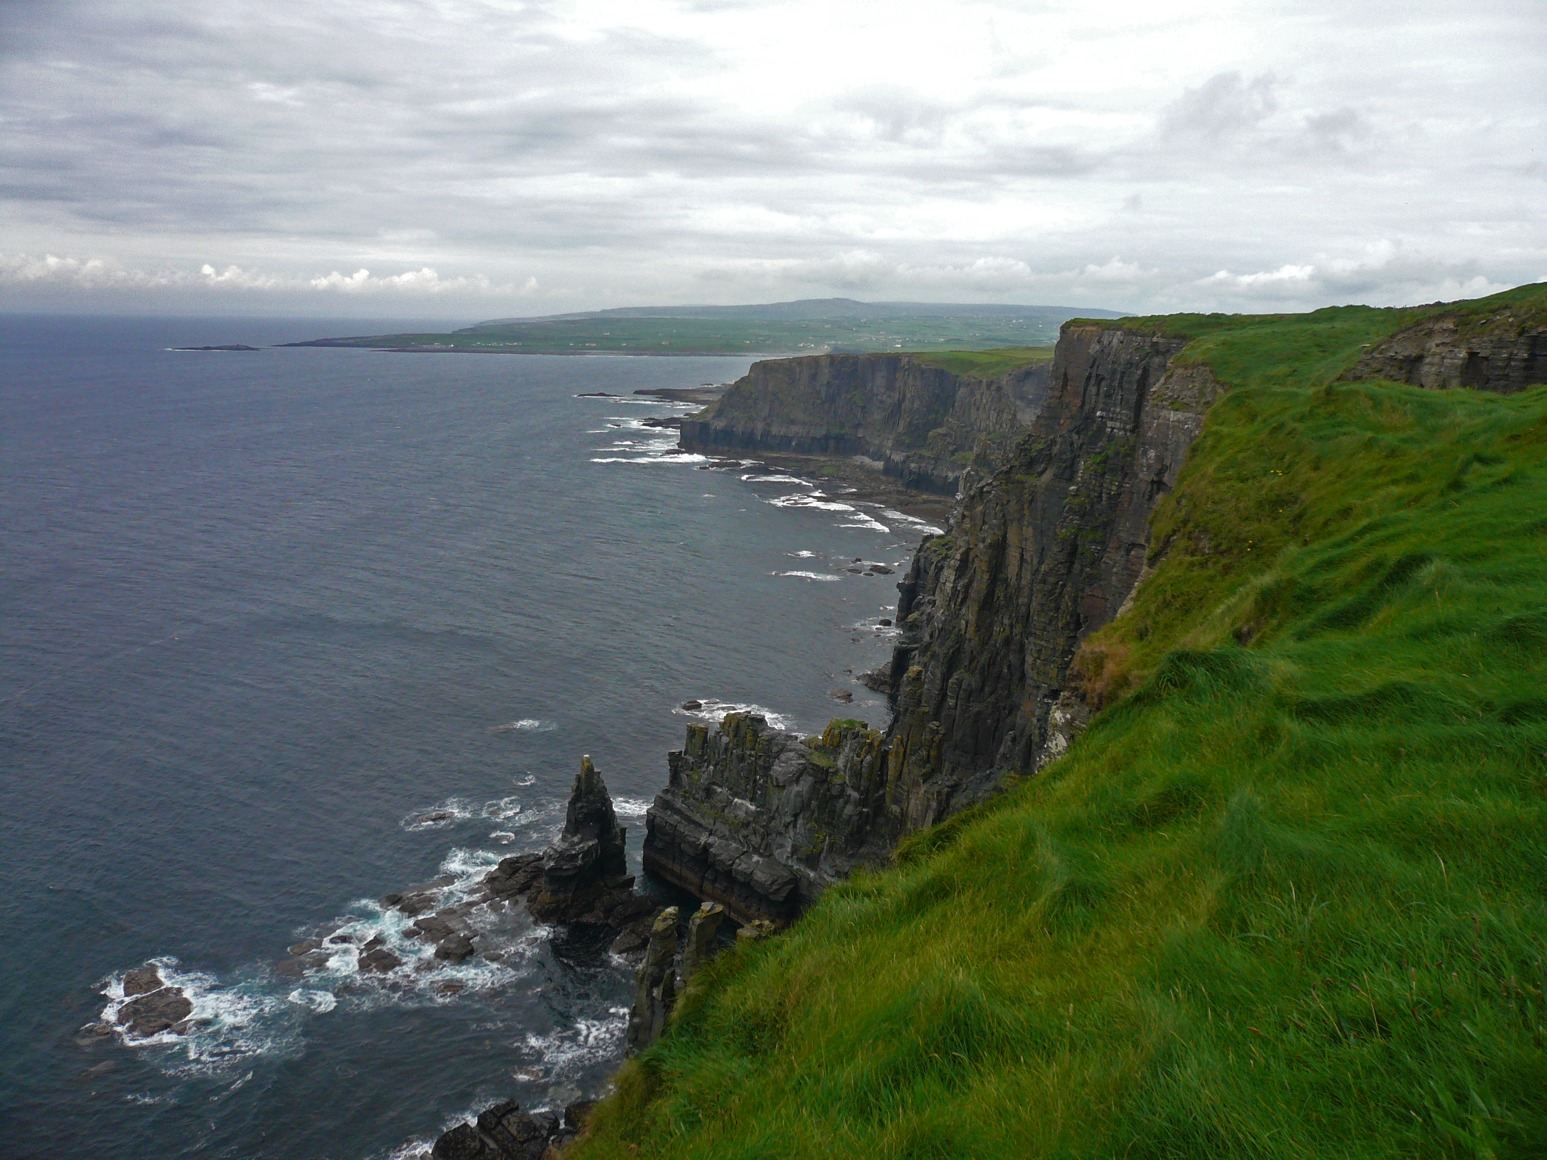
{"x":284,"y":631}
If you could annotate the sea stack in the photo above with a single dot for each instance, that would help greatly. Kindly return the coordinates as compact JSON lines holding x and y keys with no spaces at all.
{"x":584,"y":871}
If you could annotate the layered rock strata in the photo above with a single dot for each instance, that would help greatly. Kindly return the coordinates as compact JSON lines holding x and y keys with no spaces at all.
{"x":1503,"y":351}
{"x":760,"y":821}
{"x":1040,"y":553}
{"x":924,"y":425}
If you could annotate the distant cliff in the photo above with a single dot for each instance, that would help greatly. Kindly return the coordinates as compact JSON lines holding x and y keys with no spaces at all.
{"x":1503,"y":350}
{"x":1040,"y":553}
{"x":923,"y":423}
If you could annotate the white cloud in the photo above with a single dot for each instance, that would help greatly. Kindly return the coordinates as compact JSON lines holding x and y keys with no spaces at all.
{"x":597,"y":152}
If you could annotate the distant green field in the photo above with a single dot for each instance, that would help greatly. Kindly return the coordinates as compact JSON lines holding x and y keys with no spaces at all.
{"x":954,"y":328}
{"x":1287,"y":896}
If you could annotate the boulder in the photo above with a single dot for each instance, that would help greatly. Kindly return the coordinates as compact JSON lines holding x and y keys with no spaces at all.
{"x":378,"y":960}
{"x":455,"y":947}
{"x":143,"y":980}
{"x":153,"y":1012}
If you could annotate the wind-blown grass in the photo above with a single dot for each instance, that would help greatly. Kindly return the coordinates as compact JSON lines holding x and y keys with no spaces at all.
{"x":1287,"y":897}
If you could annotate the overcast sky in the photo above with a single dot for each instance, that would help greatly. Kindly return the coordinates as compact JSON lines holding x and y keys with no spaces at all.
{"x":480,"y":158}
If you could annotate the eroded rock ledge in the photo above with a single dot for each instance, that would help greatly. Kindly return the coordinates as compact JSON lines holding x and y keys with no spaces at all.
{"x":1040,"y":553}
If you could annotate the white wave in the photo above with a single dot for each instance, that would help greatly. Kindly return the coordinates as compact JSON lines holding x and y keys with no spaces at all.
{"x":228,"y":1025}
{"x":317,"y":1002}
{"x":630,"y":807}
{"x":502,"y":810}
{"x":808,"y":575}
{"x":801,"y":555}
{"x":439,"y":816}
{"x":503,"y":837}
{"x":868,"y":523}
{"x":588,"y":1041}
{"x":816,"y":500}
{"x":712,"y":710}
{"x":923,"y":527}
{"x":777,"y":479}
{"x":525,"y":781}
{"x":683,"y":457}
{"x":525,"y":725}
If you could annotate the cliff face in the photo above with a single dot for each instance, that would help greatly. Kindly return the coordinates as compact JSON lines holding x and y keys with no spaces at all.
{"x":760,"y":820}
{"x":1504,"y":351}
{"x":1039,"y":554}
{"x":923,"y":423}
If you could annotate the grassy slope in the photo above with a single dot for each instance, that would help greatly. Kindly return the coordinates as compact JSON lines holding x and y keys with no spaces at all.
{"x":985,"y":364}
{"x":1286,"y":898}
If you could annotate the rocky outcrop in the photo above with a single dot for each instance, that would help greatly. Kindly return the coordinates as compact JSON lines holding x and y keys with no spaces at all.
{"x":760,"y":821}
{"x":585,"y":872}
{"x":655,"y":989}
{"x":1040,"y":553}
{"x":153,"y":1006}
{"x":702,"y":941}
{"x":922,"y":423}
{"x":505,"y":1132}
{"x":1504,"y":350}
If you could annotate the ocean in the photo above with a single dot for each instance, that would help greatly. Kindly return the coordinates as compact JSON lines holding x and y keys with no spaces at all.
{"x":284,"y":631}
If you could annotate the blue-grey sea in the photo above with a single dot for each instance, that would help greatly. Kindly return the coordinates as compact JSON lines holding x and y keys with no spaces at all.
{"x":283,"y":631}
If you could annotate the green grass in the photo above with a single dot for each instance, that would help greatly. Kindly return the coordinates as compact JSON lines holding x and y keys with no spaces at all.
{"x":985,"y":364}
{"x":1287,"y":897}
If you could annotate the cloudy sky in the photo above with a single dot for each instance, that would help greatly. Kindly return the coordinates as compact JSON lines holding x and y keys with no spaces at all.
{"x":479,"y":158}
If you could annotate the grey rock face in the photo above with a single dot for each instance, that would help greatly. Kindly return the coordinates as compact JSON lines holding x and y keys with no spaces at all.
{"x":501,"y":1132}
{"x":1504,"y":352}
{"x":1039,"y":553}
{"x":761,"y":821}
{"x":920,"y":422}
{"x":586,"y":866}
{"x":656,"y":983}
{"x":702,"y":941}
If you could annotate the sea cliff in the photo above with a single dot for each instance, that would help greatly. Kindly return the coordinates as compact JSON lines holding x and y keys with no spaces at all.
{"x":1041,"y":552}
{"x":921,"y":423}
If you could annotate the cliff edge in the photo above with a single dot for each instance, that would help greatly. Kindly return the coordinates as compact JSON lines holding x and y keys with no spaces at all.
{"x":1040,"y":553}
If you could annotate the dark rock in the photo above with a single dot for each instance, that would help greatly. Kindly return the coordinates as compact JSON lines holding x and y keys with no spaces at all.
{"x":634,"y":937}
{"x":455,"y":947}
{"x":761,"y":821}
{"x":692,"y":706}
{"x":515,"y":875}
{"x":143,"y":980}
{"x":416,"y":902}
{"x":305,"y":947}
{"x":297,"y":965}
{"x":922,"y":424}
{"x":577,"y":1113}
{"x":842,"y":696}
{"x":703,"y":939}
{"x":462,"y":1143}
{"x":882,"y":570}
{"x":378,"y":961}
{"x":655,"y":988}
{"x":586,"y":864}
{"x":153,"y":1012}
{"x":885,"y":622}
{"x":434,"y":927}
